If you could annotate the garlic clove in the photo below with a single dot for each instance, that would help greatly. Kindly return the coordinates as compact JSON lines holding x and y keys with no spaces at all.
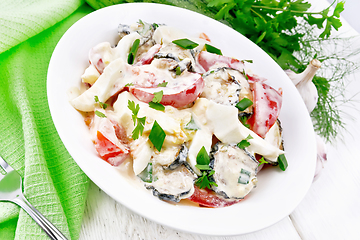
{"x":305,"y":86}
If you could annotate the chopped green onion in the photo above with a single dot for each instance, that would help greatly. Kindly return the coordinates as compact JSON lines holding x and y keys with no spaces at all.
{"x":244,"y":104}
{"x":244,"y":176}
{"x":212,"y":49}
{"x":203,"y":167}
{"x":157,"y":106}
{"x":191,"y":125}
{"x":178,"y":71}
{"x":157,"y":136}
{"x":249,"y":61}
{"x":185,"y":43}
{"x":283,"y":164}
{"x":202,"y":157}
{"x":146,"y":174}
{"x":133,"y":51}
{"x":100,"y":114}
{"x":158,"y":96}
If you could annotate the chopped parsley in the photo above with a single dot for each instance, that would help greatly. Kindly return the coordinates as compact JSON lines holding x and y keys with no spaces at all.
{"x":155,"y":103}
{"x":203,"y":161}
{"x":158,"y":96}
{"x":243,"y":120}
{"x":157,"y":136}
{"x":102,"y":105}
{"x":185,"y":43}
{"x":245,"y":143}
{"x":204,"y":182}
{"x":262,"y":161}
{"x":139,"y":123}
{"x":129,"y":84}
{"x":164,"y":84}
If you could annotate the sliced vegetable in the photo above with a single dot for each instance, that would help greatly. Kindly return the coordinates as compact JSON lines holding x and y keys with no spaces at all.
{"x":177,"y":96}
{"x":267,"y":107}
{"x":208,"y":60}
{"x":207,"y":198}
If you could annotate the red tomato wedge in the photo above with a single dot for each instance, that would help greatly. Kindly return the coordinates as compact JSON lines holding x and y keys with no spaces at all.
{"x":267,"y":105}
{"x":177,"y":94}
{"x":207,"y":198}
{"x":149,"y":55}
{"x":108,"y":145}
{"x":207,"y":60}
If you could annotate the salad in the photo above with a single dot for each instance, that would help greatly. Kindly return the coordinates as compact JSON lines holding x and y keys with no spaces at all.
{"x":195,"y":124}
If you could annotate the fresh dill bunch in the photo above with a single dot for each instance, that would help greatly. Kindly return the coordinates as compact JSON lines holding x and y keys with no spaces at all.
{"x":337,"y":55}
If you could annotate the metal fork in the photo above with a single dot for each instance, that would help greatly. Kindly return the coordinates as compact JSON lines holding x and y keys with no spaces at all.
{"x":11,"y":190}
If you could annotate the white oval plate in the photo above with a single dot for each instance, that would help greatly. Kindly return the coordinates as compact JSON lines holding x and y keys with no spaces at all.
{"x":278,"y":192}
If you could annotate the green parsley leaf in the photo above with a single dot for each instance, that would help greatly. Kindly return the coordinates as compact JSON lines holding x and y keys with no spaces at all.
{"x":244,"y":143}
{"x":191,"y":125}
{"x":163,"y":84}
{"x":157,"y":106}
{"x":158,"y":96}
{"x":133,"y":51}
{"x":139,"y":123}
{"x":100,"y":114}
{"x":262,"y":161}
{"x":185,"y":43}
{"x":157,"y":136}
{"x":283,"y":164}
{"x":204,"y":182}
{"x":212,"y":49}
{"x":243,"y":120}
{"x":102,"y":105}
{"x":134,"y":109}
{"x":244,"y":104}
{"x":202,"y":157}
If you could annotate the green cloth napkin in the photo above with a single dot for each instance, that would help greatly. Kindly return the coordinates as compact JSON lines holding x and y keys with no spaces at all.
{"x":53,"y":182}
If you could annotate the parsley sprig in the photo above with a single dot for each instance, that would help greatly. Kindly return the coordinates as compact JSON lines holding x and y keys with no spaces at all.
{"x":139,"y":123}
{"x":203,"y":161}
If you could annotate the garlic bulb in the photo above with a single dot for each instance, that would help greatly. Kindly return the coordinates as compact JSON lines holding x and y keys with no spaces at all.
{"x":321,"y":156}
{"x":305,"y":86}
